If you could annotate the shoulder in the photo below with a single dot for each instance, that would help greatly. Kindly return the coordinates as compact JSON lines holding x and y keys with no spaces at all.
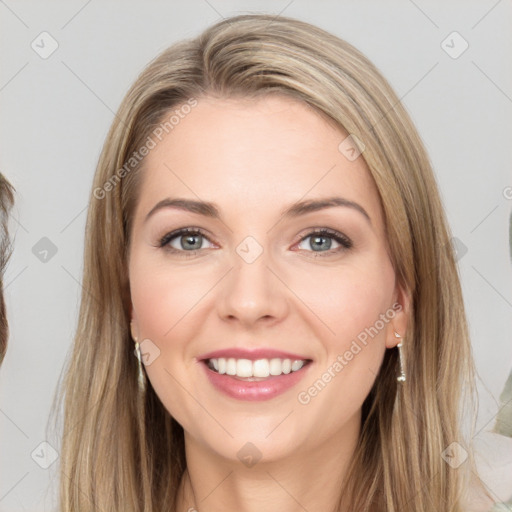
{"x":493,"y":459}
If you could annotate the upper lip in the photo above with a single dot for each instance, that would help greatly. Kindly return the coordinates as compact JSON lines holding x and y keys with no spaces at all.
{"x":252,"y":354}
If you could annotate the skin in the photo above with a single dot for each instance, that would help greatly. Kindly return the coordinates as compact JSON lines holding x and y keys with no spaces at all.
{"x":253,"y":159}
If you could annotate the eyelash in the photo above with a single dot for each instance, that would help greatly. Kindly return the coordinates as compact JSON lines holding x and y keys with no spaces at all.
{"x":345,"y":242}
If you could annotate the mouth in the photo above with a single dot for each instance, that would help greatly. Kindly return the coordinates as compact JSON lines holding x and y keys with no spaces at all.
{"x":255,"y":370}
{"x":254,"y":374}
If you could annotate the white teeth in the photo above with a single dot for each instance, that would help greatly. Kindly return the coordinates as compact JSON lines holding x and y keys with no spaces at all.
{"x":297,"y":365}
{"x":260,"y":368}
{"x":275,"y":367}
{"x":231,"y":366}
{"x":245,"y":368}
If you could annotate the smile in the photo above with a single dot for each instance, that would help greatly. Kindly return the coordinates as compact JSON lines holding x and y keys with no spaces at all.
{"x":260,"y":368}
{"x":254,"y":380}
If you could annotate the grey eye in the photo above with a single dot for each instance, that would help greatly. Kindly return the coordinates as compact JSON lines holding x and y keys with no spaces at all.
{"x":319,"y":243}
{"x":187,"y":241}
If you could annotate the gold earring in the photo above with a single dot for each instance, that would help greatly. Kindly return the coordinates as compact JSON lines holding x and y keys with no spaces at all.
{"x":401,"y":377}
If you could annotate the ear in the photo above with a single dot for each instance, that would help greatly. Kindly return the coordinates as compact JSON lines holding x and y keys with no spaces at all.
{"x":398,"y":323}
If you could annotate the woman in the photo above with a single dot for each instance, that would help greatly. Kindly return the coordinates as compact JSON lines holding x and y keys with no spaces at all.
{"x":269,"y":372}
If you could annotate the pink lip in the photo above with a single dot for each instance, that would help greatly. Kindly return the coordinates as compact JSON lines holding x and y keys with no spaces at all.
{"x":266,"y":389}
{"x":253,"y":355}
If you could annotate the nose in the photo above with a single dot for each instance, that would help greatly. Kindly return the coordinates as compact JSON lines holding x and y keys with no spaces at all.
{"x":252,"y":294}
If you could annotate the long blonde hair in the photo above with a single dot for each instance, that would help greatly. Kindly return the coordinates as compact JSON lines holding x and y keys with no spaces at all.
{"x":121,"y":450}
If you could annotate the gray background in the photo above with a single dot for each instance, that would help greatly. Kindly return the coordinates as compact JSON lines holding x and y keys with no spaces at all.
{"x":56,"y":112}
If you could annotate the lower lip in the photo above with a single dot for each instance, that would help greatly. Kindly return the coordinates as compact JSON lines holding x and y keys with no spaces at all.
{"x":254,"y":390}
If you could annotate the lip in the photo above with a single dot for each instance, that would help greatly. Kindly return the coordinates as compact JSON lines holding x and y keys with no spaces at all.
{"x":266,"y":389}
{"x":253,"y":355}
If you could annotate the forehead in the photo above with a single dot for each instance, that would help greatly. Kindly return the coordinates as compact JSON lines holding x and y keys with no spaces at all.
{"x":255,"y":154}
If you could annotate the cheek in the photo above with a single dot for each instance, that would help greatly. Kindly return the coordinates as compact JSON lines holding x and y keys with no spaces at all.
{"x":163,"y":303}
{"x":152,"y":303}
{"x":349,"y":299}
{"x":162,"y":299}
{"x":356,"y":307}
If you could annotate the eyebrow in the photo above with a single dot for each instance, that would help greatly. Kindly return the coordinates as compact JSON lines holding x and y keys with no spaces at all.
{"x":208,"y":209}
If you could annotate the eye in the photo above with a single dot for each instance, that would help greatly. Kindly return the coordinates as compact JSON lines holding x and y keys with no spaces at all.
{"x":321,"y":242}
{"x":185,"y":240}
{"x":188,"y":241}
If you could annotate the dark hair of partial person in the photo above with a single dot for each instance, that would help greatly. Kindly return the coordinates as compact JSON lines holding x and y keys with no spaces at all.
{"x":6,"y":203}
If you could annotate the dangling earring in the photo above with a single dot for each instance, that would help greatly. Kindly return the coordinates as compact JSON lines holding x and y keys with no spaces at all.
{"x":140,"y":377}
{"x":401,"y":377}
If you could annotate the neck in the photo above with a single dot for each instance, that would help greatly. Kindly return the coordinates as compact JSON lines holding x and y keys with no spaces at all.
{"x":305,"y":480}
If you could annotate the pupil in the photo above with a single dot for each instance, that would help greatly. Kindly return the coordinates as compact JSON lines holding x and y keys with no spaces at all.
{"x":319,"y":239}
{"x":190,"y":239}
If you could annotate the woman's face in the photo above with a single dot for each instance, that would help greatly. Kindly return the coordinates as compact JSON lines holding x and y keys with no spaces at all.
{"x":257,"y":286}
